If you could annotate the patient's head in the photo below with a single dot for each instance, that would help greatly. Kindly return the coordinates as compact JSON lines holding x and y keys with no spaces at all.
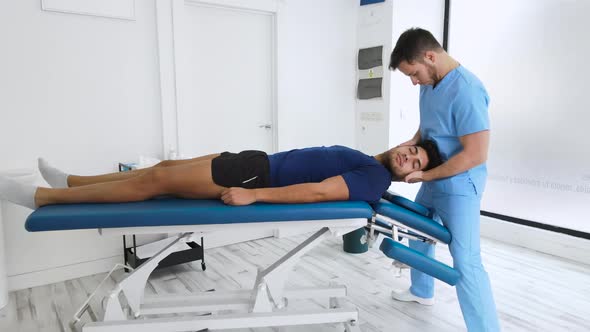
{"x":403,"y":160}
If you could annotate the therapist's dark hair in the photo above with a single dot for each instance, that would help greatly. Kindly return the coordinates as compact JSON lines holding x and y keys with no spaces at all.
{"x":434,"y":158}
{"x":411,"y":46}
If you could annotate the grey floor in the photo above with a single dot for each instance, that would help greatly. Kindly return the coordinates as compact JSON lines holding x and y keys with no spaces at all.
{"x":533,"y":291}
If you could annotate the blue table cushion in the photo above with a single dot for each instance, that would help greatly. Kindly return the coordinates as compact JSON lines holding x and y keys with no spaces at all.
{"x":172,"y":211}
{"x":408,"y":204}
{"x":413,"y":220}
{"x":417,"y":260}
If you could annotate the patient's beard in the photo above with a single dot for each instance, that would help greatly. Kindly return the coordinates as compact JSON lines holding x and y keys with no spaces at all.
{"x":388,"y":164}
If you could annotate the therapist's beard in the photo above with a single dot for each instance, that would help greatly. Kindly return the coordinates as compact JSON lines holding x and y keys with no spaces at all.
{"x":431,"y":71}
{"x":433,"y":76}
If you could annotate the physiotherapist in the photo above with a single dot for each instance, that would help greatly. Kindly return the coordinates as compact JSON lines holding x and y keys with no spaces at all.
{"x":454,"y":114}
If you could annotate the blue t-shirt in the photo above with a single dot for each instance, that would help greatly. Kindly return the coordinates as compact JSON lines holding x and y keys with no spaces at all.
{"x":366,"y":178}
{"x":456,"y":107}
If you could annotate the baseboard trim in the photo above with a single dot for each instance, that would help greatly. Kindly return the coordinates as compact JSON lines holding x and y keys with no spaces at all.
{"x":557,"y":244}
{"x":78,"y":270}
{"x":61,"y":273}
{"x":545,"y":241}
{"x":535,"y":224}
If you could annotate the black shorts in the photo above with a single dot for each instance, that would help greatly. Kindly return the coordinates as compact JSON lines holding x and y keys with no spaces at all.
{"x":247,"y":169}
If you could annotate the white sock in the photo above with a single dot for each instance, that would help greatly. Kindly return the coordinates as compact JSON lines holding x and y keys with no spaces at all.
{"x":17,"y":193}
{"x":53,"y":176}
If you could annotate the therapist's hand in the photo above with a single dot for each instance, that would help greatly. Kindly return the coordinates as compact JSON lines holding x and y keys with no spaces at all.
{"x":238,"y":196}
{"x":415,"y":177}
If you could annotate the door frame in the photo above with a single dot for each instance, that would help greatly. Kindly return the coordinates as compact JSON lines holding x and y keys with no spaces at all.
{"x":169,"y":16}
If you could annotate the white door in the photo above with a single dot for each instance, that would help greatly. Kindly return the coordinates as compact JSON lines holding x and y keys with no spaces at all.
{"x":225,"y":60}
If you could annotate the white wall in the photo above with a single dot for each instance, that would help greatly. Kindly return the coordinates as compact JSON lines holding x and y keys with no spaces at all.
{"x":381,"y":24}
{"x":477,"y":54}
{"x":75,"y":84}
{"x":532,"y":59}
{"x":374,"y":29}
{"x":316,"y":41}
{"x":405,"y":113}
{"x":85,"y":93}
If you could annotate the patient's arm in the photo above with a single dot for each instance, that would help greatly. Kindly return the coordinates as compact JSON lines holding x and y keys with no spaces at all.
{"x":331,"y":189}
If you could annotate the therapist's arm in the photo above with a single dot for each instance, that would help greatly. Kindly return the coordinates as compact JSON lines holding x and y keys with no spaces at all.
{"x":415,"y":140}
{"x":474,"y":153}
{"x":331,"y":189}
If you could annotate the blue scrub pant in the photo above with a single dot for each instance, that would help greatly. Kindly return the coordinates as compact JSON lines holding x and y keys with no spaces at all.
{"x":460,"y":214}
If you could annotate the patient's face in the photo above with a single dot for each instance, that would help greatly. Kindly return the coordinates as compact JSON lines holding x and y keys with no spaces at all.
{"x":404,"y":160}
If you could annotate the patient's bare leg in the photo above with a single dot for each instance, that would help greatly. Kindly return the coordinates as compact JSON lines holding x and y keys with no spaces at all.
{"x":78,"y":180}
{"x":189,"y":179}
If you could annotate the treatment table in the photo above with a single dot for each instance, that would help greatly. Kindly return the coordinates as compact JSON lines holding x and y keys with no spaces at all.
{"x":400,"y":218}
{"x":265,"y":304}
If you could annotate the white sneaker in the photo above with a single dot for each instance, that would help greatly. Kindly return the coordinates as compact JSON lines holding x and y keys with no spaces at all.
{"x":407,"y":296}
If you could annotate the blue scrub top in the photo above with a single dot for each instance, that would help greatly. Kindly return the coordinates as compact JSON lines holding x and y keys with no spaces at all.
{"x":457,"y":106}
